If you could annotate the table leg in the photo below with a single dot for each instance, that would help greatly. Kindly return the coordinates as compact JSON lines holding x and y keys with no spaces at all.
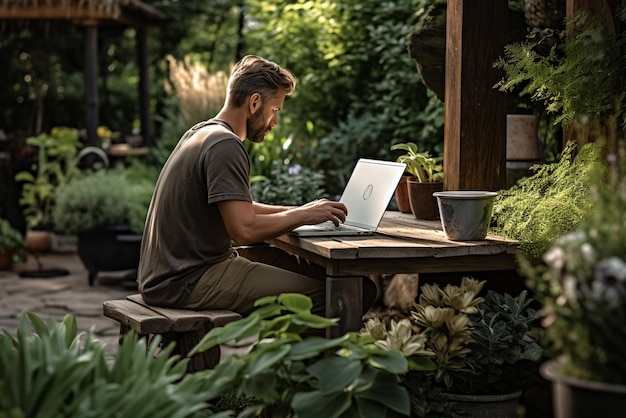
{"x":344,"y":300}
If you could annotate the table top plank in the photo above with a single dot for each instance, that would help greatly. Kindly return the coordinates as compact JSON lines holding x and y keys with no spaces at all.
{"x":399,"y":236}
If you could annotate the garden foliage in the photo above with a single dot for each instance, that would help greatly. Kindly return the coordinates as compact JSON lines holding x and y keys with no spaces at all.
{"x":551,"y":202}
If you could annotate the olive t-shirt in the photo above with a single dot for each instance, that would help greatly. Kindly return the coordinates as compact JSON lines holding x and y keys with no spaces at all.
{"x":184,"y":233}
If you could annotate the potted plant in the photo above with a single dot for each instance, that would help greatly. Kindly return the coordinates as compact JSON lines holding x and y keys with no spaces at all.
{"x":425,"y":178}
{"x":58,"y":157}
{"x":464,"y":349}
{"x":12,"y":245}
{"x":581,"y":283}
{"x":106,"y":210}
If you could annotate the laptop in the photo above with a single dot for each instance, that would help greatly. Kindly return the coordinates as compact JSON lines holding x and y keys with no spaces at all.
{"x":367,"y":195}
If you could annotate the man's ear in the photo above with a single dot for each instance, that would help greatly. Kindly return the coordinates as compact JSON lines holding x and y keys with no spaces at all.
{"x":255,"y":102}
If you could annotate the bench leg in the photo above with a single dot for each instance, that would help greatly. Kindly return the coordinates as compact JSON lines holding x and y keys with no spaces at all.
{"x":186,"y":341}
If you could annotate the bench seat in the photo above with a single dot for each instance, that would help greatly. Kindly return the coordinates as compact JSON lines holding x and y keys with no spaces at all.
{"x":185,"y":327}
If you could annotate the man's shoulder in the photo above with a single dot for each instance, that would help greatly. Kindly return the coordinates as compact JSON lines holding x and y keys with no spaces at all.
{"x":208,"y":135}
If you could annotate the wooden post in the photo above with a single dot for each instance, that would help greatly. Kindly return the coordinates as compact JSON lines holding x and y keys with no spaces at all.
{"x":144,"y":85}
{"x":91,"y":84}
{"x":475,"y":112}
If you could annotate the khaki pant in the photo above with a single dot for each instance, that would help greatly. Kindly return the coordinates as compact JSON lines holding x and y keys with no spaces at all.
{"x":238,"y":282}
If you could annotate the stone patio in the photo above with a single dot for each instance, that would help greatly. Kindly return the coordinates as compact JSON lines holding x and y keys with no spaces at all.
{"x":55,"y":297}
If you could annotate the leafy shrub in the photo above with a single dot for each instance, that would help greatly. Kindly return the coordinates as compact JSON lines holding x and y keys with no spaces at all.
{"x":102,"y":199}
{"x":56,"y":372}
{"x":288,"y":185}
{"x":286,"y":374}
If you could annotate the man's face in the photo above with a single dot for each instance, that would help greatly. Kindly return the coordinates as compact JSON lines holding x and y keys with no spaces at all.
{"x":261,"y":122}
{"x":257,"y":127}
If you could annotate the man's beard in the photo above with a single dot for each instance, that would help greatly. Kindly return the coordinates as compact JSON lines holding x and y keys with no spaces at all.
{"x":255,"y":127}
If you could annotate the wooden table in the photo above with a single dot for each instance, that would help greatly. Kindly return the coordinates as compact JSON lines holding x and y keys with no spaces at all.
{"x":402,"y":244}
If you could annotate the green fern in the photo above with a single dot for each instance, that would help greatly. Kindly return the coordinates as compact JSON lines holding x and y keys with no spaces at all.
{"x":579,"y":77}
{"x":553,"y":201}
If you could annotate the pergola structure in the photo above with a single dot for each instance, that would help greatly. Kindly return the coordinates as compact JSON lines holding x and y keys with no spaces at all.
{"x":475,"y":112}
{"x":92,"y":14}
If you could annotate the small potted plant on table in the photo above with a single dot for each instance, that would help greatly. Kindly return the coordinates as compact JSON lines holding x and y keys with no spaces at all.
{"x":426,"y":178}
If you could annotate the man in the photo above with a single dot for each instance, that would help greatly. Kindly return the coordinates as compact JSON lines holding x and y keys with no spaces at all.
{"x":202,"y":205}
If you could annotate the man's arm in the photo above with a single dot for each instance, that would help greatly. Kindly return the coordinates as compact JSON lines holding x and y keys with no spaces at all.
{"x":247,"y":226}
{"x":264,"y":209}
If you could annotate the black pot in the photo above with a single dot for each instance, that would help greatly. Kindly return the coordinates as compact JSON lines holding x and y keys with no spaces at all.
{"x":109,"y":249}
{"x":484,"y":406}
{"x":578,"y":398}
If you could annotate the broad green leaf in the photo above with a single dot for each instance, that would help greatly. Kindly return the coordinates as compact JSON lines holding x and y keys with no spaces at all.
{"x":335,"y":374}
{"x":267,"y":358}
{"x":268,"y":311}
{"x":316,"y":404}
{"x":313,"y":346}
{"x":388,"y":391}
{"x":296,"y":302}
{"x":368,"y":408}
{"x":393,"y":361}
{"x":313,"y":321}
{"x":233,"y":331}
{"x":262,"y":386}
{"x":223,"y":376}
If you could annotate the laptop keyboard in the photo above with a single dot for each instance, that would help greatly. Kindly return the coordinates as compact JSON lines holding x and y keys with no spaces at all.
{"x":329,"y":226}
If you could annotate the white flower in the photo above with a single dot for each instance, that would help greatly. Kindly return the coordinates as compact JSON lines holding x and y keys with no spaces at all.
{"x":555,"y":258}
{"x":588,"y":253}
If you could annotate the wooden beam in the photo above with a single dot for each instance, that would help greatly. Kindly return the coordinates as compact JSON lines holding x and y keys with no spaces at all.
{"x":51,"y":12}
{"x":129,"y":12}
{"x":475,"y":112}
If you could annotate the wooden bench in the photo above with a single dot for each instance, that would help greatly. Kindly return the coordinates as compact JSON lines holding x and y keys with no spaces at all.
{"x":185,"y":327}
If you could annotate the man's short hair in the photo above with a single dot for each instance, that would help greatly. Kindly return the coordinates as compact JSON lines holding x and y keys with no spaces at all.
{"x":253,"y":74}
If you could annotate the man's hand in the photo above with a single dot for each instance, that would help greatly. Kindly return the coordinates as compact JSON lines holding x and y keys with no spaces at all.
{"x":323,"y":210}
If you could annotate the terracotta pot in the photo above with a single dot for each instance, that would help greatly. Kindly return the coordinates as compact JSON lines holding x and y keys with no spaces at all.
{"x":423,"y":204}
{"x":37,"y":240}
{"x":402,"y":196}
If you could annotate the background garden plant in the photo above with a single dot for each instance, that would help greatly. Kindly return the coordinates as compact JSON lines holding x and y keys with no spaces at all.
{"x":50,"y":370}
